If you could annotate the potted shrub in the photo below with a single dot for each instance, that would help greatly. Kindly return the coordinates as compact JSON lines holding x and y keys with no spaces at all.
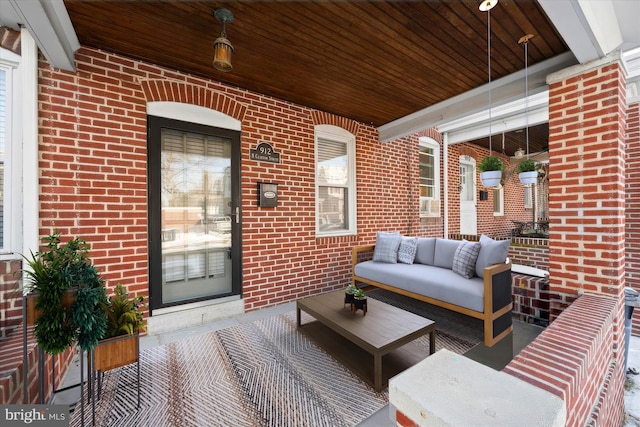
{"x":359,"y":301}
{"x":491,"y":168}
{"x":527,"y":172}
{"x":64,"y":293}
{"x":125,"y":320}
{"x":348,"y":293}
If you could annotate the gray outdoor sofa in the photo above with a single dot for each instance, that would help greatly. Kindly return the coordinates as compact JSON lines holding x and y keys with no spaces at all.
{"x":472,"y":278}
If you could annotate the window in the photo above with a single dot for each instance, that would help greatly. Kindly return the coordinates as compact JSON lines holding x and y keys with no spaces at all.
{"x":335,"y":181}
{"x":498,"y":201}
{"x":429,"y":158}
{"x":3,"y":150}
{"x":528,"y":197}
{"x":11,"y":216}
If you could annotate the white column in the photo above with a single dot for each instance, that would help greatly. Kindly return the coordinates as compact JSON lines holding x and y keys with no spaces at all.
{"x":445,"y":162}
{"x":30,"y":170}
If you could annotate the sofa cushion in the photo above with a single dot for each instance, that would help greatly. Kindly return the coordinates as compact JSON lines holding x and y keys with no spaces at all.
{"x":464,"y":259}
{"x":407,"y":250}
{"x":444,"y":252}
{"x":491,"y":252}
{"x":438,"y":283}
{"x":425,"y":250}
{"x":387,"y":244}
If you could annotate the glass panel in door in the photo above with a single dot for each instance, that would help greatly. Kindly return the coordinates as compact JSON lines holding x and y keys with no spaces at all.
{"x":196,"y":216}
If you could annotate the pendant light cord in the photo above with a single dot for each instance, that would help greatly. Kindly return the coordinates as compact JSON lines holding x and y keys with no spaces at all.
{"x":526,"y":93}
{"x":525,"y":40}
{"x":489,"y":66}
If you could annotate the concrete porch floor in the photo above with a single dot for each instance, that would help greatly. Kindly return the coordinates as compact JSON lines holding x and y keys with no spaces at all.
{"x":495,"y":357}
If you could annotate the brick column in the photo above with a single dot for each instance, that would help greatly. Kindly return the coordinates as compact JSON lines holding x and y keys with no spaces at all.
{"x":586,"y":183}
{"x":587,"y":125}
{"x":632,"y":225}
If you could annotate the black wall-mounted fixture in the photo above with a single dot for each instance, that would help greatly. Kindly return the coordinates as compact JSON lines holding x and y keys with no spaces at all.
{"x":267,"y":195}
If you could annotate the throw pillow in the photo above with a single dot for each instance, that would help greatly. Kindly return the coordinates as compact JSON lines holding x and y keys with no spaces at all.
{"x":425,"y":250}
{"x":407,"y":250}
{"x":491,"y":252}
{"x":387,"y":244}
{"x":464,"y":260}
{"x":444,"y":252}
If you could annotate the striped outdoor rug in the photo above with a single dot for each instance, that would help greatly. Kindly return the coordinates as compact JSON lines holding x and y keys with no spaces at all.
{"x":263,"y":373}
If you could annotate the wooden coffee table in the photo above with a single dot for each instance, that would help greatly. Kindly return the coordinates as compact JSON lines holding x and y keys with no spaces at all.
{"x":384,"y":328}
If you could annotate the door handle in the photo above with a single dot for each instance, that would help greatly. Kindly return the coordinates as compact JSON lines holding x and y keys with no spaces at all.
{"x":236,"y":215}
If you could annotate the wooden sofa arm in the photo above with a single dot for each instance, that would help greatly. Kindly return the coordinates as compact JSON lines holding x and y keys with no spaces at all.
{"x":497,"y":286}
{"x":497,"y":303}
{"x":356,"y":250}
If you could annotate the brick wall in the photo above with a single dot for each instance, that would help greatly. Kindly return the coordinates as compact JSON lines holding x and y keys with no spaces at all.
{"x":577,"y":359}
{"x":10,"y":297}
{"x":93,"y":176}
{"x":530,"y":299}
{"x":530,"y":252}
{"x":632,"y":206}
{"x":586,"y":150}
{"x":586,"y":239}
{"x":12,"y":369}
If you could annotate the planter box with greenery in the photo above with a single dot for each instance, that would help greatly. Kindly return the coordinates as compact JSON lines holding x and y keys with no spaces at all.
{"x":527,"y":172}
{"x":119,"y":346}
{"x":67,"y":290}
{"x":491,"y":168}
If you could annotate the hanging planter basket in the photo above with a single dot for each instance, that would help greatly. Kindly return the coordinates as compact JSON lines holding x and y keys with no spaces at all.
{"x":528,"y":178}
{"x":491,"y":178}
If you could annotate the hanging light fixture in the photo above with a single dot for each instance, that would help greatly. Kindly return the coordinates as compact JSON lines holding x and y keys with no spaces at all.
{"x":491,"y":166}
{"x":527,"y":168}
{"x":519,"y":153}
{"x":222,"y":48}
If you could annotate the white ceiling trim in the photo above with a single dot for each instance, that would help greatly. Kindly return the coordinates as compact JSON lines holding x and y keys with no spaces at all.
{"x":590,"y":28}
{"x":49,"y":23}
{"x":504,"y":118}
{"x":505,"y":90}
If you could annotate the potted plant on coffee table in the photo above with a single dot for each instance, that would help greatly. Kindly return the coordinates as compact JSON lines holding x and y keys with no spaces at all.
{"x":348,"y":293}
{"x":527,"y":172}
{"x":491,"y":168}
{"x":359,"y":302}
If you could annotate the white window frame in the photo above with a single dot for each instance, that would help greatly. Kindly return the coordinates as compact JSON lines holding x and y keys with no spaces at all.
{"x":430,"y":206}
{"x":12,"y":188}
{"x":529,"y":194}
{"x":499,"y":191}
{"x":338,"y":134}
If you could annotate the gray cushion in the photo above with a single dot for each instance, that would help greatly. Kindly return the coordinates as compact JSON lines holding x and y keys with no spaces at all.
{"x":425,"y":250}
{"x":387,"y":244}
{"x":464,"y":260}
{"x":491,"y":252}
{"x":444,"y":252}
{"x":407,"y":250}
{"x":427,"y":280}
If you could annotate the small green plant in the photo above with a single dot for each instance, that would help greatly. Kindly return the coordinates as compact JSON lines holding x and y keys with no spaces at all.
{"x":526,"y":165}
{"x":491,"y":163}
{"x":351,"y":289}
{"x":359,"y":294}
{"x":124,"y":314}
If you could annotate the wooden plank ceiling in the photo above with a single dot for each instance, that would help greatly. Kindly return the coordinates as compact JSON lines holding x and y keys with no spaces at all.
{"x":371,"y":61}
